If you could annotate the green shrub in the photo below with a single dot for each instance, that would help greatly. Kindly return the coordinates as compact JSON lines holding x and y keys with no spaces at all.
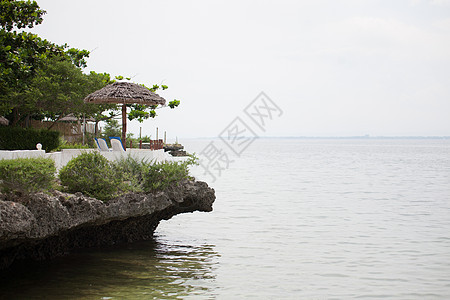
{"x":92,"y":174}
{"x":27,"y":174}
{"x":131,"y":171}
{"x":146,"y":138}
{"x":63,"y":144}
{"x":159,"y":176}
{"x":18,"y":138}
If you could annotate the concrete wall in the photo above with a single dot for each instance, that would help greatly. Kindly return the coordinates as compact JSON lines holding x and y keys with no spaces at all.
{"x":5,"y":154}
{"x":63,"y":157}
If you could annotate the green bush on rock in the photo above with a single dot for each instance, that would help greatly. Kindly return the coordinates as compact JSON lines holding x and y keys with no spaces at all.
{"x":131,"y":171}
{"x":159,"y":176}
{"x":27,"y":174}
{"x":92,"y":174}
{"x":143,"y":176}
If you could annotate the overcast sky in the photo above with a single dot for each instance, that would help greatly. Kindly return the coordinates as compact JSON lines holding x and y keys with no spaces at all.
{"x":335,"y":68}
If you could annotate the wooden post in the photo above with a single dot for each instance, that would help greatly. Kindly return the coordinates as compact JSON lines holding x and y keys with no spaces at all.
{"x":165,"y":137}
{"x":84,"y":127}
{"x":124,"y":126}
{"x":140,"y":144}
{"x":156,"y":133}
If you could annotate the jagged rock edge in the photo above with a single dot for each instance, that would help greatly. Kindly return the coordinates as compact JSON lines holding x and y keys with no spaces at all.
{"x":128,"y":218}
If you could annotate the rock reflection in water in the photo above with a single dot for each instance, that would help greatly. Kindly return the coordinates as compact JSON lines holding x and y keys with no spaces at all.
{"x":154,"y":269}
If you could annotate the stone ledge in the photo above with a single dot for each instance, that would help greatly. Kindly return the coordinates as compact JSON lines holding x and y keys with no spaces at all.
{"x":41,"y":226}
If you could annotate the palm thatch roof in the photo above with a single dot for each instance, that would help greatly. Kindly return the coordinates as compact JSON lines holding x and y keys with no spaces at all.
{"x":4,"y":121}
{"x":125,"y":93}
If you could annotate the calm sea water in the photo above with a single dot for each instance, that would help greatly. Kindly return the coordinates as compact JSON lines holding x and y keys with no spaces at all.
{"x":293,"y":219}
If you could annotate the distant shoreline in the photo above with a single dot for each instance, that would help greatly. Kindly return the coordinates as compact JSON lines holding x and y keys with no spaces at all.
{"x":365,"y":137}
{"x":338,"y":137}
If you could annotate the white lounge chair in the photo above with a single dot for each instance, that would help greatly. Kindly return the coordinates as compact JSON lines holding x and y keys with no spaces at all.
{"x":101,"y":144}
{"x":116,"y":143}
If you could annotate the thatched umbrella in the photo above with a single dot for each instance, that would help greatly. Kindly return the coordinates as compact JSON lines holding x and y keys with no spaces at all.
{"x":125,"y":93}
{"x":4,"y":121}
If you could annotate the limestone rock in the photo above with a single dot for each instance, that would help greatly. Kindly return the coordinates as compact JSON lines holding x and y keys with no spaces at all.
{"x":41,"y":226}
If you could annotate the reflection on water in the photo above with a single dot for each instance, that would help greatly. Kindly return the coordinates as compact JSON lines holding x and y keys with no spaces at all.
{"x":146,"y":270}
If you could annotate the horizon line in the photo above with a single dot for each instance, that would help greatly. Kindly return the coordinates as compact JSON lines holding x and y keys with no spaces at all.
{"x":342,"y":137}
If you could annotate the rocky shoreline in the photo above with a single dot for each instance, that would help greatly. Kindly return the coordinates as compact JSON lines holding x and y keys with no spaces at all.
{"x":175,"y":149}
{"x":41,"y":226}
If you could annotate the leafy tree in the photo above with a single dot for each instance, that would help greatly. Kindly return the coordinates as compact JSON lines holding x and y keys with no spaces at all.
{"x":39,"y":79}
{"x":58,"y":89}
{"x":20,"y":14}
{"x":61,"y":87}
{"x":23,"y":55}
{"x":112,"y":128}
{"x":142,"y":112}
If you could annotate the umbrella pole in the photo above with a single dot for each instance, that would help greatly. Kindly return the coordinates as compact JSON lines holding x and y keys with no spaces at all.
{"x":124,"y":126}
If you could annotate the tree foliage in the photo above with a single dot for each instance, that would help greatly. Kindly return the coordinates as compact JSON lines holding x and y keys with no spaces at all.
{"x":60,"y":88}
{"x":40,"y":79}
{"x":142,"y":112}
{"x":20,"y":14}
{"x":112,"y":128}
{"x":24,"y":57}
